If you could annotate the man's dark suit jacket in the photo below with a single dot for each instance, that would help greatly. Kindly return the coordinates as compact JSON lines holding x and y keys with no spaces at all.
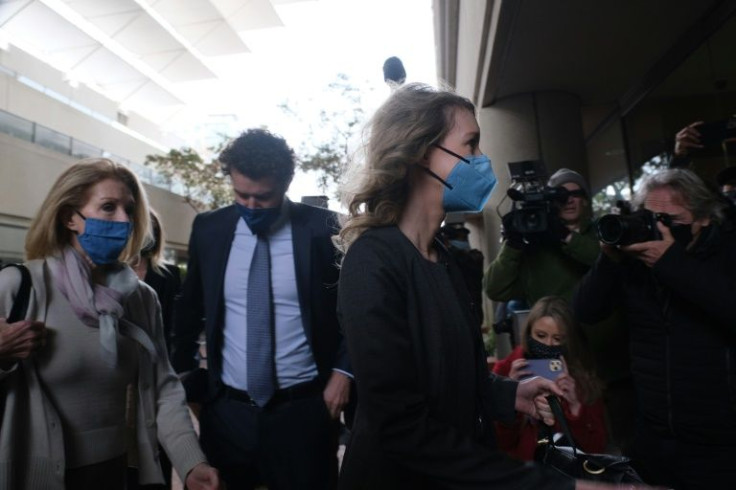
{"x":201,"y":304}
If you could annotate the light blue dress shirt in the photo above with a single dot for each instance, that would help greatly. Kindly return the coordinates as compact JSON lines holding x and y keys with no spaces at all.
{"x":293,"y":355}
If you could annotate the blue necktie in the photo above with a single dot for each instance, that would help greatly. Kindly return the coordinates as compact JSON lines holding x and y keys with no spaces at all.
{"x":261,"y":369}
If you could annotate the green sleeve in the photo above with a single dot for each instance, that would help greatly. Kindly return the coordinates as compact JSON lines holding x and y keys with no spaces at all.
{"x":582,"y":248}
{"x":502,"y":280}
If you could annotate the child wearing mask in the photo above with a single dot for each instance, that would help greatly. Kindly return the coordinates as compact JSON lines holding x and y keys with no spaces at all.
{"x":549,"y":334}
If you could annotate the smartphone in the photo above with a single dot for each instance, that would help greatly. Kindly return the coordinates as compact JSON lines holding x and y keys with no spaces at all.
{"x":713,"y":133}
{"x":546,"y":368}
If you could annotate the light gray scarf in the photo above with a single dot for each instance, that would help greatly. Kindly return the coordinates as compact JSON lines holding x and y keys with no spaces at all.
{"x":100,"y":305}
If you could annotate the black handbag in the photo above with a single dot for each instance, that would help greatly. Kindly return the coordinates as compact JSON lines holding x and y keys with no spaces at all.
{"x":17,"y":312}
{"x":571,"y":461}
{"x":23,"y":296}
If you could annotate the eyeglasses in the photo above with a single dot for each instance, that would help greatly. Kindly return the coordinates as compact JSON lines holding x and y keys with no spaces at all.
{"x":577,"y":193}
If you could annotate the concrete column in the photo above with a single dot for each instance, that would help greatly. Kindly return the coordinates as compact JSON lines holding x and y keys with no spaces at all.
{"x":543,"y":126}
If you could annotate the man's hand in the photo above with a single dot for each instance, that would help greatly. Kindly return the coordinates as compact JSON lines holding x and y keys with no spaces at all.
{"x":651,"y":252}
{"x":687,"y":138}
{"x":203,"y":477}
{"x":18,"y":340}
{"x":558,"y":231}
{"x":509,"y":232}
{"x":530,"y":398}
{"x":337,"y":393}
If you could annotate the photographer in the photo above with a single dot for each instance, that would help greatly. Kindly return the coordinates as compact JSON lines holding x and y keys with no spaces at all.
{"x":551,"y":263}
{"x":678,"y":294}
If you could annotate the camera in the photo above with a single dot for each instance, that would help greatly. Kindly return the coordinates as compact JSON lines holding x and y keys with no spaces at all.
{"x":533,"y":200}
{"x":634,"y":227}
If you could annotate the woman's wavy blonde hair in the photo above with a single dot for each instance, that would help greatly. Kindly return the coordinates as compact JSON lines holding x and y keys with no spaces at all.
{"x":48,"y":233}
{"x":578,"y":361}
{"x":415,"y":117}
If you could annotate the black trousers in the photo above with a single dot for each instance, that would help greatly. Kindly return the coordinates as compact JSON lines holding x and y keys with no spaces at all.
{"x":289,"y":444}
{"x":681,"y":465}
{"x":110,"y":474}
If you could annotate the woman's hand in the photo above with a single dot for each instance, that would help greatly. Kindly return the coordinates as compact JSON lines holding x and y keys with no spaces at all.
{"x":518,"y":369}
{"x":566,"y":383}
{"x":18,"y":340}
{"x":203,"y":477}
{"x":687,"y":138}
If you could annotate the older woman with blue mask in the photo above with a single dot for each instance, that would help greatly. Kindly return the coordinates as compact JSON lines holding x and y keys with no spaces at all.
{"x":99,"y":394}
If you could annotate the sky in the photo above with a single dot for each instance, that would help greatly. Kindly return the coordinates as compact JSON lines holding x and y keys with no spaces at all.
{"x":320,"y":39}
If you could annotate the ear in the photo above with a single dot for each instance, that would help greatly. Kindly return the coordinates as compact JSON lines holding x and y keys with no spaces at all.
{"x":70,"y":220}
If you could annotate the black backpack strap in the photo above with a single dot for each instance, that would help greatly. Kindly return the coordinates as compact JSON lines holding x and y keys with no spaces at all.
{"x":22,"y":297}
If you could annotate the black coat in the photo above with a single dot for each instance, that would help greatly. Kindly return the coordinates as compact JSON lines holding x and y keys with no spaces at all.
{"x":201,"y":304}
{"x":682,"y":325}
{"x":421,"y":375}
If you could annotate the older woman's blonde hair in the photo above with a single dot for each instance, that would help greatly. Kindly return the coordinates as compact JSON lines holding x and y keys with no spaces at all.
{"x":48,"y":233}
{"x":413,"y":118}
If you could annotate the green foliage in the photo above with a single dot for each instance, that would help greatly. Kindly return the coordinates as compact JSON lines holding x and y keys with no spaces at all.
{"x":204,"y":186}
{"x":326,"y":149}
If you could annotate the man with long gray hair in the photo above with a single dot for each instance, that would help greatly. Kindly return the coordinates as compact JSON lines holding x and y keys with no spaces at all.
{"x":678,"y":292}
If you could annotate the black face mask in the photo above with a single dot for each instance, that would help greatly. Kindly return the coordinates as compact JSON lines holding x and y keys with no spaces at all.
{"x":538,"y":350}
{"x":682,"y":233}
{"x":731,"y":196}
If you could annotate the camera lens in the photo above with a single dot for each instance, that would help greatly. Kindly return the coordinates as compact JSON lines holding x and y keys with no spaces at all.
{"x":610,"y":229}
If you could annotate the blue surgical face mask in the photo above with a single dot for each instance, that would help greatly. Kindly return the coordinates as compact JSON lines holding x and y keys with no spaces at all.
{"x":103,"y":241}
{"x":469,"y":184}
{"x":259,"y":220}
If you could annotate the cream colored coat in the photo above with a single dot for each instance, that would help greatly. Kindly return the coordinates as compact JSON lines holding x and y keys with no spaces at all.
{"x":31,"y":439}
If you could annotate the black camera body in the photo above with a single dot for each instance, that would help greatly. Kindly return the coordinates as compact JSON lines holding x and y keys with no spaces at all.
{"x":634,"y":227}
{"x":533,"y":200}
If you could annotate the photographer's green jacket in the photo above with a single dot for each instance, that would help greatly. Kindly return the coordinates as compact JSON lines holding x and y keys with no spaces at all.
{"x":541,"y":270}
{"x":545,"y":269}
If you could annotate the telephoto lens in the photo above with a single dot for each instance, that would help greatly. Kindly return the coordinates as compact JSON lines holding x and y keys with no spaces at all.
{"x":637,"y":227}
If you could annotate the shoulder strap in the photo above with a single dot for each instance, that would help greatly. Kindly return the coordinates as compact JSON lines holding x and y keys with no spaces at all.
{"x":22,"y":298}
{"x":556,"y":406}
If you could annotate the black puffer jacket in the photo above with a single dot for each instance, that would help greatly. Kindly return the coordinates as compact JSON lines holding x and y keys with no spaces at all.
{"x":682,"y":319}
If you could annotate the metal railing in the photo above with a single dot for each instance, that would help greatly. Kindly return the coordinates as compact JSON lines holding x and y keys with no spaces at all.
{"x":24,"y":129}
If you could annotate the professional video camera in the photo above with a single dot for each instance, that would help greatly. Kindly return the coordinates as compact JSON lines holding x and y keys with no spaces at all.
{"x":630,"y":227}
{"x":533,"y":200}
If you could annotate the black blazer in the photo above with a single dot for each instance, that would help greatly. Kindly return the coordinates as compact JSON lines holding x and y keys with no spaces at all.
{"x":426,"y":401}
{"x":201,"y":304}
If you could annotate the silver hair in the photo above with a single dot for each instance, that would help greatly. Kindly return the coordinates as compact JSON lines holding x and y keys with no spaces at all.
{"x":695,"y":194}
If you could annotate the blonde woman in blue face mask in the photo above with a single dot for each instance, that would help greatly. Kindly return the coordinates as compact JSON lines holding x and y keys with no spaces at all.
{"x":426,"y":401}
{"x":99,"y":394}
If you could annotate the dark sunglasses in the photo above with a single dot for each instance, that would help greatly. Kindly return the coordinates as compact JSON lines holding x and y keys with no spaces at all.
{"x":577,"y":193}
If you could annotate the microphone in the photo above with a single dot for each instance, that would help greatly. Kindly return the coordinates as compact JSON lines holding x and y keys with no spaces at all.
{"x":515,"y":194}
{"x":393,"y":71}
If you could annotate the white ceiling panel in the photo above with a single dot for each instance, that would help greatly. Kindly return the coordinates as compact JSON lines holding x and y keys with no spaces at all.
{"x":150,"y":94}
{"x":194,"y":12}
{"x":144,"y":53}
{"x":159,"y":61}
{"x":220,"y":40}
{"x":186,"y":68}
{"x":253,"y":14}
{"x":9,"y":8}
{"x":91,"y":9}
{"x":145,"y":36}
{"x":104,"y":68}
{"x":114,"y":23}
{"x":45,"y":30}
{"x":68,"y":58}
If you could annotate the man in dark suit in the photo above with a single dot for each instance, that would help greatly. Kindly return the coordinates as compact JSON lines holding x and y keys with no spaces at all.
{"x":261,"y":281}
